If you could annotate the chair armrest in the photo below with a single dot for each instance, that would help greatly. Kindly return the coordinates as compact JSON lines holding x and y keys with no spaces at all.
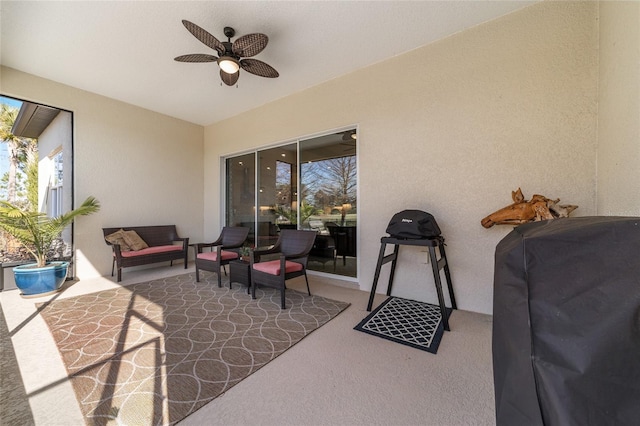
{"x":253,"y":258}
{"x":116,"y":250}
{"x":259,"y":252}
{"x":254,"y":255}
{"x":185,"y":242}
{"x":274,"y":249}
{"x":200,"y":246}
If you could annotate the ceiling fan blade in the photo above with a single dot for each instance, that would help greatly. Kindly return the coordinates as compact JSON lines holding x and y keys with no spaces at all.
{"x":229,"y":79}
{"x":196,"y":57}
{"x":259,"y":68}
{"x":202,"y":35}
{"x":250,"y":44}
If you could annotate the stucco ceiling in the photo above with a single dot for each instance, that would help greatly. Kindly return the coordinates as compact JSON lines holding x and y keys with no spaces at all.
{"x":125,"y":49}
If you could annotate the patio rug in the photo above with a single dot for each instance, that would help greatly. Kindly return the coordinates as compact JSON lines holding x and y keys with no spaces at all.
{"x":408,"y":322}
{"x":153,"y":353}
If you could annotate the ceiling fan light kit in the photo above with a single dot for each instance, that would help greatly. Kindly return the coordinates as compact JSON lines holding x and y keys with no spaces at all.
{"x":231,"y":55}
{"x":228,"y":64}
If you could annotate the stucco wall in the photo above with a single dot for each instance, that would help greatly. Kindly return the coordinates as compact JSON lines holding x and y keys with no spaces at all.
{"x":619,"y":109}
{"x":145,"y":168}
{"x":451,"y":128}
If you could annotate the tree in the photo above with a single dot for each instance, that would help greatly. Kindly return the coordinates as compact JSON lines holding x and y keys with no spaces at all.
{"x":18,"y":149}
{"x":331,"y":182}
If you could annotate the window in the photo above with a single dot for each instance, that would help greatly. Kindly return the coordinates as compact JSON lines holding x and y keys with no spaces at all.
{"x":38,"y":135}
{"x":240,"y":192}
{"x":310,"y":184}
{"x":328,"y":181}
{"x":54,"y":204}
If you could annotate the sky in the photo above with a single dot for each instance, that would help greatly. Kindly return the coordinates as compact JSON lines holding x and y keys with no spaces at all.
{"x":10,"y":101}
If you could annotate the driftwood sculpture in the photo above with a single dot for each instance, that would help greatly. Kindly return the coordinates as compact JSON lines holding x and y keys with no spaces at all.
{"x":523,"y":211}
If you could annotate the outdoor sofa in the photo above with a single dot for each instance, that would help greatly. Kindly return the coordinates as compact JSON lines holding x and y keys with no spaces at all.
{"x":153,"y":244}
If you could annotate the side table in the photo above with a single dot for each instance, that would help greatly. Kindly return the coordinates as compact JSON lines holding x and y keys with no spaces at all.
{"x":239,"y":272}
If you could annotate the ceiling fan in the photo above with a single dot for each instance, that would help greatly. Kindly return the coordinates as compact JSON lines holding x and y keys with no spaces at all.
{"x":349,"y":135}
{"x":231,"y":55}
{"x":349,"y":139}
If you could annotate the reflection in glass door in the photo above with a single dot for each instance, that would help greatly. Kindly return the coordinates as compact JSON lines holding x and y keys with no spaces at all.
{"x":329,"y":204}
{"x":307,"y":185}
{"x":277,"y":193}
{"x":240,"y":192}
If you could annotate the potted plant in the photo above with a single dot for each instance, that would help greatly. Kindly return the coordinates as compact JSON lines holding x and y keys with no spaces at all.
{"x":245,"y":252}
{"x":37,"y":233}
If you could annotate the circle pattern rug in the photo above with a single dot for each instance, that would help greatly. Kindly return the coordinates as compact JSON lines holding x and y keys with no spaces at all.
{"x":154,"y":352}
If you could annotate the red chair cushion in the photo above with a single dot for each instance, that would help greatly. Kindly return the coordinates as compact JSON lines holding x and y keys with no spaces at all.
{"x":151,"y":250}
{"x":213,"y":256}
{"x":273,"y":267}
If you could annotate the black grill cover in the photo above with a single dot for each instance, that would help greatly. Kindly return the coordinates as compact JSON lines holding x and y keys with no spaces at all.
{"x":413,"y":224}
{"x":566,"y":323}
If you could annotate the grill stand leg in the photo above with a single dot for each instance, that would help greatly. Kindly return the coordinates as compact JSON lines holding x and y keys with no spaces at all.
{"x":436,"y":277}
{"x":382,"y":259}
{"x":436,"y":265}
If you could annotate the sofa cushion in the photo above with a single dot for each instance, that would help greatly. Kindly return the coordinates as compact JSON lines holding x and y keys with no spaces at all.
{"x":273,"y":267}
{"x":151,"y":250}
{"x":134,"y":240}
{"x":212,"y":255}
{"x":118,"y":238}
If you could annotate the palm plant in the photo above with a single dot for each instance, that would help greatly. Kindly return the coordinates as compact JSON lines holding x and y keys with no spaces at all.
{"x":306,"y":210}
{"x":36,"y":231}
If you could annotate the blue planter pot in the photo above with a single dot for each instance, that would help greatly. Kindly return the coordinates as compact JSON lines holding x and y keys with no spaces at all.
{"x":33,"y":281}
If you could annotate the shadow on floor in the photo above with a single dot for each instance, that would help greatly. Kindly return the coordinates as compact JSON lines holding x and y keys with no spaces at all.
{"x":14,"y":404}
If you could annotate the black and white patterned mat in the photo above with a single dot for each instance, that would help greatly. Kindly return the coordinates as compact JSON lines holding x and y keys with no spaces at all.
{"x":412,"y":323}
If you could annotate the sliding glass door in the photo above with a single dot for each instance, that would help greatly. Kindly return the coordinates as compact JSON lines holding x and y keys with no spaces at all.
{"x":240,"y":192}
{"x":309,"y":184}
{"x":328,"y":181}
{"x":277,"y":194}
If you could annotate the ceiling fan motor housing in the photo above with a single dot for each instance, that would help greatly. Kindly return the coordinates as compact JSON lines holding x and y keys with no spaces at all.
{"x":229,"y":32}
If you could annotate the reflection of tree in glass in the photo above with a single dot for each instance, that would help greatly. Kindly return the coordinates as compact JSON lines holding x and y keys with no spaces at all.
{"x":330,"y":183}
{"x":283,"y":184}
{"x":19,"y":149}
{"x":19,"y":184}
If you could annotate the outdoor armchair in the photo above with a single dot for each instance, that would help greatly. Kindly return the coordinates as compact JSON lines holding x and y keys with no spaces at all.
{"x":225,"y":249}
{"x":293,"y":247}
